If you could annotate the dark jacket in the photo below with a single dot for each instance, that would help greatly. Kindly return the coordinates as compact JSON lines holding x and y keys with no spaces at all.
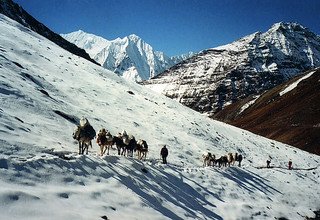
{"x":164,"y":152}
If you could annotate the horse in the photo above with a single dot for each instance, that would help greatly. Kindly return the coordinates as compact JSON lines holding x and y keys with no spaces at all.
{"x":83,"y":140}
{"x":142,"y":149}
{"x":208,"y":159}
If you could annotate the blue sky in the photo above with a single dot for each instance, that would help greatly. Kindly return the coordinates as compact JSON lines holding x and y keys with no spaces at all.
{"x":173,"y":26}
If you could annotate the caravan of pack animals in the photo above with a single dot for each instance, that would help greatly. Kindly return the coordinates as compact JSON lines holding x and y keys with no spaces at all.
{"x":126,"y":145}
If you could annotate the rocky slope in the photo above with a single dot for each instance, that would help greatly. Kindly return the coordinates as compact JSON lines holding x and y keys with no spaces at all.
{"x":220,"y":76}
{"x":288,"y":113}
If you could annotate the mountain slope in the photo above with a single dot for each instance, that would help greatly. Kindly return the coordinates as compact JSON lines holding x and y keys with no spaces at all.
{"x":130,"y":56}
{"x":220,"y":76}
{"x":17,"y":13}
{"x":288,"y":113}
{"x":45,"y":90}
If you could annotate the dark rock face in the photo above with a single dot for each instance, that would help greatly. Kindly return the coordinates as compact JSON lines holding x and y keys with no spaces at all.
{"x":17,"y":13}
{"x":291,"y":117}
{"x":256,"y":63}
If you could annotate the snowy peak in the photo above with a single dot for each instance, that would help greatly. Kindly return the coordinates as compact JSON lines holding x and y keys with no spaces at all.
{"x":217,"y":77}
{"x":88,"y":42}
{"x":134,"y":38}
{"x":288,"y":27}
{"x":130,"y":56}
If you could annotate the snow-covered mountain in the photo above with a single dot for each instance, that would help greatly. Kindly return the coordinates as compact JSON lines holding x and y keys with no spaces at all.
{"x":44,"y":90}
{"x":217,"y":77}
{"x":130,"y":56}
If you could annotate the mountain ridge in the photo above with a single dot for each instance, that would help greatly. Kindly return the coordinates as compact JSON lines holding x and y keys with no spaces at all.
{"x":129,"y":56}
{"x":217,"y":77}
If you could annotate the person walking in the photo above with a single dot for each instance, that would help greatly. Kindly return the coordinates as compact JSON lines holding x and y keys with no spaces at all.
{"x":290,"y":164}
{"x":164,"y":153}
{"x":268,"y":163}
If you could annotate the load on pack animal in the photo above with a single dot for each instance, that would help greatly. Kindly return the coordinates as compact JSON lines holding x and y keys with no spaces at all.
{"x":125,"y":144}
{"x":84,"y":133}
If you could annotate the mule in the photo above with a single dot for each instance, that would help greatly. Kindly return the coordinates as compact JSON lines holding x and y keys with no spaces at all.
{"x":83,"y":140}
{"x":126,"y":144}
{"x":130,"y":147}
{"x":238,"y":157}
{"x":105,"y":141}
{"x":119,"y":144}
{"x":208,"y":159}
{"x":222,"y":161}
{"x":142,"y":149}
{"x":231,"y":159}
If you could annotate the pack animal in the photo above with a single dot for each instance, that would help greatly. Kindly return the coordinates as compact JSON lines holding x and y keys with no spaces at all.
{"x":84,"y":133}
{"x":105,"y":141}
{"x":130,"y":147}
{"x":222,"y":161}
{"x":125,"y":143}
{"x":119,"y":144}
{"x":231,"y":159}
{"x":208,"y":159}
{"x":83,"y":140}
{"x":142,"y":149}
{"x":238,"y":157}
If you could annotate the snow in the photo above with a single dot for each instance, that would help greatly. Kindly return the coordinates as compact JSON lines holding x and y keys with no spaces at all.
{"x":295,"y":84}
{"x":42,"y":177}
{"x":248,"y":104}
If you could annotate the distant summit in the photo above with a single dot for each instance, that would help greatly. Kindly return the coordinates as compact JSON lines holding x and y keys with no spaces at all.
{"x":215,"y":78}
{"x":130,"y":56}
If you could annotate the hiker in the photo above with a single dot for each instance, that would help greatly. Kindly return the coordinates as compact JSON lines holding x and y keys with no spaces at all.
{"x":164,"y":153}
{"x":290,"y":164}
{"x":268,"y":163}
